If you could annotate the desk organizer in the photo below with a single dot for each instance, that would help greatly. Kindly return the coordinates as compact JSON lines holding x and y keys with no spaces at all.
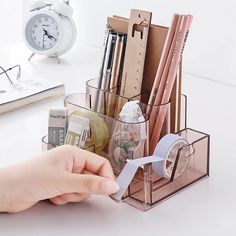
{"x":120,"y":141}
{"x":147,"y":189}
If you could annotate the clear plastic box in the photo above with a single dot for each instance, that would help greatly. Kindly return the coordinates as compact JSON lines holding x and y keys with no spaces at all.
{"x":147,"y":189}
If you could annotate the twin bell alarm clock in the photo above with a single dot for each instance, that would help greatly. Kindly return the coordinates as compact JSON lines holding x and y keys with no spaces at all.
{"x":49,"y":29}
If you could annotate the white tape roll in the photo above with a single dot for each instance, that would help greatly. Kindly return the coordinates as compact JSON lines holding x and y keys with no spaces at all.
{"x":166,"y":151}
{"x":163,"y":161}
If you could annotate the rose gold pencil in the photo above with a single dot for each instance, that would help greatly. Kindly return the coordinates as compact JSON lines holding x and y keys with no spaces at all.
{"x":162,"y":73}
{"x":175,"y":59}
{"x":164,"y":78}
{"x":163,"y":59}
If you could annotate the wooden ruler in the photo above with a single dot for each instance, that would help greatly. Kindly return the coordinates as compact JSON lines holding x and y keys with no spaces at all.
{"x":132,"y":76}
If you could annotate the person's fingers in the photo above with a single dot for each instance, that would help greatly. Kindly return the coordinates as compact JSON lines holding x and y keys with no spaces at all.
{"x":69,"y":197}
{"x":91,"y":162}
{"x":89,"y":184}
{"x":57,"y":201}
{"x":85,"y":172}
{"x":75,"y":160}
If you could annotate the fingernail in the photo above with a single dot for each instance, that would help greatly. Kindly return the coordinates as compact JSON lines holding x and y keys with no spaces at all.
{"x":109,"y":187}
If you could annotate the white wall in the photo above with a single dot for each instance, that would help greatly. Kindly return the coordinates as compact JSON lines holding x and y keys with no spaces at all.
{"x":10,"y":22}
{"x":211,"y":45}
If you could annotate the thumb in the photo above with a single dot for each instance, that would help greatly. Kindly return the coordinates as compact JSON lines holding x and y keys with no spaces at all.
{"x":90,"y":184}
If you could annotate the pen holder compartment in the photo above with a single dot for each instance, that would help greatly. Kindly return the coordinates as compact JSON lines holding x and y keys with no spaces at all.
{"x":104,"y":101}
{"x":109,"y":103}
{"x":148,"y":189}
{"x":113,"y":139}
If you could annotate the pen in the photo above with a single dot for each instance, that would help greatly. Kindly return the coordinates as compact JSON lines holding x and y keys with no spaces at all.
{"x":105,"y":80}
{"x":108,"y":31}
{"x":116,"y":72}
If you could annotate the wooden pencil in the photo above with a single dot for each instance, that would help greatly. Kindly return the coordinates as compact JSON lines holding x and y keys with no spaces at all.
{"x":178,"y":43}
{"x":162,"y":72}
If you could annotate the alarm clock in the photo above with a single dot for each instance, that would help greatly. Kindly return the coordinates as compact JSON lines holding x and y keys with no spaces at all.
{"x":49,"y":29}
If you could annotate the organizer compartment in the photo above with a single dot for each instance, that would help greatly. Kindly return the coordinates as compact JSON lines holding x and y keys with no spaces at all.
{"x":119,"y":138}
{"x":111,"y":97}
{"x":46,"y":146}
{"x":147,"y":189}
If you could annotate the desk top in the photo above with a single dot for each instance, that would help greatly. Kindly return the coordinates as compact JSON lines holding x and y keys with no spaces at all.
{"x":206,"y":208}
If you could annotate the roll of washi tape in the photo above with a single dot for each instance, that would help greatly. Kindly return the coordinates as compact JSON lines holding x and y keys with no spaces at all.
{"x":99,"y":131}
{"x":166,"y":151}
{"x":162,"y":160}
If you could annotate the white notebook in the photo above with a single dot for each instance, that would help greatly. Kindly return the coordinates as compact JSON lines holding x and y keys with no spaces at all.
{"x":31,"y":88}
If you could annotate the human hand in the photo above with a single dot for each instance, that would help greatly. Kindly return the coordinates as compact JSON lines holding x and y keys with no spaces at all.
{"x":64,"y":174}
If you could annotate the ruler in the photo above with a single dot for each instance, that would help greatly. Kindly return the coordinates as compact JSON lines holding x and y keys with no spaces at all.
{"x":132,"y":75}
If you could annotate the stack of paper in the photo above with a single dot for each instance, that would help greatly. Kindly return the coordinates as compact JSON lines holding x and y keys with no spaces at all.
{"x":31,"y":88}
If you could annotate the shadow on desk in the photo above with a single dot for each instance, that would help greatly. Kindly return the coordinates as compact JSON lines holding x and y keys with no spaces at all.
{"x":95,"y":214}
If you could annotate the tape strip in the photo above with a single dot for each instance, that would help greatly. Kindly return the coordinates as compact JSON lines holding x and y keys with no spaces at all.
{"x":162,"y":160}
{"x":128,"y":172}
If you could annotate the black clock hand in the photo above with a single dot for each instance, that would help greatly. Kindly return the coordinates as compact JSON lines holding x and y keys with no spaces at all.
{"x":45,"y":33}
{"x":43,"y":41}
{"x":51,"y":37}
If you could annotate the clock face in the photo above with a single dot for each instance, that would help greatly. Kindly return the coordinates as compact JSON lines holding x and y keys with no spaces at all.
{"x":42,"y":32}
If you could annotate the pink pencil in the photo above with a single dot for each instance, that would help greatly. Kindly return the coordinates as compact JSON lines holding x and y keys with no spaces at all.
{"x":157,"y":97}
{"x":163,"y":59}
{"x":162,"y":62}
{"x":175,"y":59}
{"x":190,"y":20}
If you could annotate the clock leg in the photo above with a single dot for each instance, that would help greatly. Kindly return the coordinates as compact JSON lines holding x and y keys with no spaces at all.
{"x":58,"y":60}
{"x":31,"y":56}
